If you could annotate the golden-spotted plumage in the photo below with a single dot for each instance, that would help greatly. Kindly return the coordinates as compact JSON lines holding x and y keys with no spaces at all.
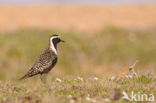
{"x":46,"y":61}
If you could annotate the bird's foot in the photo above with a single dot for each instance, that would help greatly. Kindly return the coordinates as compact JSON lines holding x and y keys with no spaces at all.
{"x":43,"y":78}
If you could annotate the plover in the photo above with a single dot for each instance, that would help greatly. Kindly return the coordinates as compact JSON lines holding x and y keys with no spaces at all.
{"x":46,"y":61}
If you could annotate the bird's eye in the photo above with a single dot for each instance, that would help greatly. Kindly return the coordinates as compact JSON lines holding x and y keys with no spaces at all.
{"x":59,"y":39}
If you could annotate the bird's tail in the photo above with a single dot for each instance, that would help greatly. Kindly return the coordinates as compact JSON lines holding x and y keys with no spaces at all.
{"x":24,"y":77}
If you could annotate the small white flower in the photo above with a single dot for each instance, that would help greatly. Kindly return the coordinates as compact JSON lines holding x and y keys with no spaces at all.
{"x":95,"y":78}
{"x":79,"y":78}
{"x":129,"y":76}
{"x":126,"y":76}
{"x":88,"y":99}
{"x":58,"y":80}
{"x":72,"y":101}
{"x":113,"y":78}
{"x":107,"y":100}
{"x":70,"y":96}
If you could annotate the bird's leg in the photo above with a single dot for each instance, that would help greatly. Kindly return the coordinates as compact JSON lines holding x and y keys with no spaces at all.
{"x":43,"y":78}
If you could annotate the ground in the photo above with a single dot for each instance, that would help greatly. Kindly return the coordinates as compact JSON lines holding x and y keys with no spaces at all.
{"x":76,"y":90}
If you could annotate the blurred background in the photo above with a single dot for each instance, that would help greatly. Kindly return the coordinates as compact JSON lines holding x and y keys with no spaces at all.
{"x":103,"y":37}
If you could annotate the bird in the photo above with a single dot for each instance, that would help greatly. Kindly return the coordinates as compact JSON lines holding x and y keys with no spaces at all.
{"x":46,"y":61}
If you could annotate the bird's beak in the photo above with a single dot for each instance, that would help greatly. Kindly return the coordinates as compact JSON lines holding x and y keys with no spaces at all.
{"x":62,"y":41}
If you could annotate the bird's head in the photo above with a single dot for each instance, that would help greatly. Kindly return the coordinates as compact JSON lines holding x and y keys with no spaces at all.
{"x":55,"y":39}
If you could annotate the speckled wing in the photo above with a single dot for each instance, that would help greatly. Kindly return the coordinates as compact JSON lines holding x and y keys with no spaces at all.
{"x":45,"y":62}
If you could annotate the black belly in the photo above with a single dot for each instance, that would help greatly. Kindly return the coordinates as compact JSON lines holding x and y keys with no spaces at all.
{"x":51,"y":66}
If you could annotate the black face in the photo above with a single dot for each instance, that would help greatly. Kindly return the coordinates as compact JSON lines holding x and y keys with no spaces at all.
{"x":56,"y":40}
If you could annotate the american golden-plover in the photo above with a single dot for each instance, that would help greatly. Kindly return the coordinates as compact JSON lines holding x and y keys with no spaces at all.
{"x":46,"y":61}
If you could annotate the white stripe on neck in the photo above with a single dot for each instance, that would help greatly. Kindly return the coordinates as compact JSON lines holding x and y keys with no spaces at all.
{"x":52,"y":45}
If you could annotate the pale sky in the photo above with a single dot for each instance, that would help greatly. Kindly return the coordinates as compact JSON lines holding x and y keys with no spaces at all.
{"x":74,"y":1}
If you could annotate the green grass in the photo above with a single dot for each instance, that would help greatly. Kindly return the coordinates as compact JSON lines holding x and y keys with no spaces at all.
{"x":72,"y":90}
{"x":145,"y":79}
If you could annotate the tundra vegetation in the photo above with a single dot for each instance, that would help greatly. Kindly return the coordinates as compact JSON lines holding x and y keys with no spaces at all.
{"x":91,"y":68}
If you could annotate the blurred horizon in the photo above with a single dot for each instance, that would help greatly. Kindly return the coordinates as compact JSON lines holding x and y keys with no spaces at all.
{"x":121,"y":34}
{"x":75,"y":1}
